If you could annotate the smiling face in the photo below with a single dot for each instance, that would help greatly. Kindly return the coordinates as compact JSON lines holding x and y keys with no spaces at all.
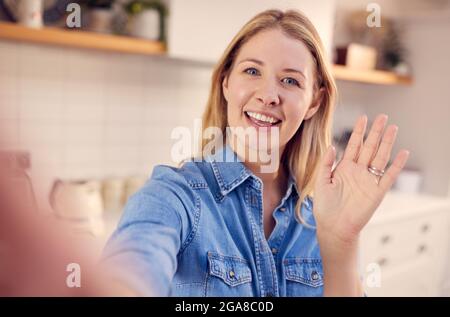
{"x":271,"y":85}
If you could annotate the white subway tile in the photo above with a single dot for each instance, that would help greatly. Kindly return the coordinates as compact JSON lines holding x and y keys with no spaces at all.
{"x":35,"y":86}
{"x":79,"y":111}
{"x":91,"y":114}
{"x":48,"y":156}
{"x":82,"y":91}
{"x":155,"y":134}
{"x":131,"y":113}
{"x":40,"y":62}
{"x":9,"y":108}
{"x":9,"y":84}
{"x":40,"y":108}
{"x":8,"y":58}
{"x":158,"y":111}
{"x":83,"y":154}
{"x":85,"y":66}
{"x":121,"y":154}
{"x":90,"y":134}
{"x":9,"y":134}
{"x":32,"y":134}
{"x":125,"y":69}
{"x":123,"y":135}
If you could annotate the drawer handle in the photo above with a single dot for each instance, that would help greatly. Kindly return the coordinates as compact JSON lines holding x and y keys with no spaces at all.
{"x":382,"y":261}
{"x":385,"y":239}
{"x":422,"y":248}
{"x":425,"y":228}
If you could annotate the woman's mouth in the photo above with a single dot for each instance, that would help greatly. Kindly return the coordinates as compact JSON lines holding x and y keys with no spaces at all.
{"x":261,"y":120}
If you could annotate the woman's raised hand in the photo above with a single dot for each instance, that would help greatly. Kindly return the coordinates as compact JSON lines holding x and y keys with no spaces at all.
{"x":346,"y":197}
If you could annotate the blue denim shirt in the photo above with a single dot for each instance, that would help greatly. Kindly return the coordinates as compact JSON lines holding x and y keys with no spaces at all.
{"x":198,"y":231}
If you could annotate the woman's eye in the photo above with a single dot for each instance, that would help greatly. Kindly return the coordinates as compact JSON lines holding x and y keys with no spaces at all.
{"x":251,"y":71}
{"x":291,"y":81}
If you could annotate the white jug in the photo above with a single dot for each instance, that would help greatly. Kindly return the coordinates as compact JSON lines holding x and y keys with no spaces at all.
{"x":77,"y":200}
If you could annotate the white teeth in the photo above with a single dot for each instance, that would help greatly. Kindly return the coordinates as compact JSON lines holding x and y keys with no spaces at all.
{"x":261,"y":117}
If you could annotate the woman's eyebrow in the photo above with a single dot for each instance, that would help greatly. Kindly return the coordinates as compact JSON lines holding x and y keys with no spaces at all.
{"x":288,"y":70}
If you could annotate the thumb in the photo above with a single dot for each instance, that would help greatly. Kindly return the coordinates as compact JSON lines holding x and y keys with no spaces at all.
{"x":326,"y":165}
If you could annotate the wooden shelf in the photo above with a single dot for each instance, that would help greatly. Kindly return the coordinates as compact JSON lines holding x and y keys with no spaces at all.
{"x":124,"y":44}
{"x":80,"y":39}
{"x":370,"y":76}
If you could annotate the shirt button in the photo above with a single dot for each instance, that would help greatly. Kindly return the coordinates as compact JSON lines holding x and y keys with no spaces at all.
{"x":283,"y":208}
{"x":274,"y":250}
{"x":314,"y":276}
{"x":231,"y":274}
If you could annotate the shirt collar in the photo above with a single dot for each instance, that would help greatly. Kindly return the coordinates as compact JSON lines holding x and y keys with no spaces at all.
{"x":228,"y":169}
{"x":230,"y":172}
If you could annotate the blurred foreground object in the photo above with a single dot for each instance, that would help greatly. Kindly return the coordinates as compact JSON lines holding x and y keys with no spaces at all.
{"x":15,"y":165}
{"x":38,"y":256}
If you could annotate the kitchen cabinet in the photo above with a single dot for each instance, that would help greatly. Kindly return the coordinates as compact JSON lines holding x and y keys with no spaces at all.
{"x":201,"y":29}
{"x":411,"y":279}
{"x":408,"y":239}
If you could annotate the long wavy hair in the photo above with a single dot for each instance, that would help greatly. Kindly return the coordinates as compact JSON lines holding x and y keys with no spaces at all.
{"x":305,"y":149}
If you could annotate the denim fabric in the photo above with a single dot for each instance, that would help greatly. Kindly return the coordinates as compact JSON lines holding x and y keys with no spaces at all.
{"x":197,"y":230}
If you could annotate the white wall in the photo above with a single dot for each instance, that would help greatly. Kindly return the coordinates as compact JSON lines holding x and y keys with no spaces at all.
{"x":201,"y":29}
{"x":422,"y":111}
{"x":88,"y":114}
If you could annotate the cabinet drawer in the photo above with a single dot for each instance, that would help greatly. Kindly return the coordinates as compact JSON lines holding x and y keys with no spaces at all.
{"x":393,"y":243}
{"x":414,"y":278}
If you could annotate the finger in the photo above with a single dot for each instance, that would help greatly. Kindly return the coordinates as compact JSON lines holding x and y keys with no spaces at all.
{"x":370,"y":146}
{"x":384,"y":151}
{"x":325,"y":170}
{"x":356,"y":139}
{"x":396,"y":167}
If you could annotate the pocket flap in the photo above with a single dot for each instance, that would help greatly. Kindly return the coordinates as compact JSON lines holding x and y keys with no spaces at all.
{"x":306,"y":271}
{"x":231,"y":269}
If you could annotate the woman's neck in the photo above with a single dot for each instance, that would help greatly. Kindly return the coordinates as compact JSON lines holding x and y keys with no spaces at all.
{"x":276,"y":176}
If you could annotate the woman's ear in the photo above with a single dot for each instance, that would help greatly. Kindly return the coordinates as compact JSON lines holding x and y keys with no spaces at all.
{"x":225,"y":87}
{"x":315,"y":104}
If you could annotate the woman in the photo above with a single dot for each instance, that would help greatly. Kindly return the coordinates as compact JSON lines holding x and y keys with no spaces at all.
{"x":223,"y":226}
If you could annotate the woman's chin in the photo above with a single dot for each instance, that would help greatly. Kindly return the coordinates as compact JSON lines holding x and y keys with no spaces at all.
{"x":249,"y":149}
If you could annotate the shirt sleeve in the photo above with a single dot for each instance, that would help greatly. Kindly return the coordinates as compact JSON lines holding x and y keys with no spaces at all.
{"x":142,"y":252}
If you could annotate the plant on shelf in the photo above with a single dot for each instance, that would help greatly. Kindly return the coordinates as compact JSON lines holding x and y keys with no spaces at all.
{"x":137,"y":6}
{"x":394,"y":52}
{"x":147,"y":19}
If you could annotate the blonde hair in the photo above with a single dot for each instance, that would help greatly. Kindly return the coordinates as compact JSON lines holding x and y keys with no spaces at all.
{"x":305,"y":149}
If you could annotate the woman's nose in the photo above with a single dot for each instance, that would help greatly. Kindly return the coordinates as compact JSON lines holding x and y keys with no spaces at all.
{"x":268,"y":94}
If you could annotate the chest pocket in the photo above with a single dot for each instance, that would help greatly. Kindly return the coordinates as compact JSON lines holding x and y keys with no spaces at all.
{"x":304,"y":277}
{"x":228,"y":276}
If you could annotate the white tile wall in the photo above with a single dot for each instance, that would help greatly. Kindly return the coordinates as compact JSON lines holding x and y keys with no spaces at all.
{"x":89,"y":114}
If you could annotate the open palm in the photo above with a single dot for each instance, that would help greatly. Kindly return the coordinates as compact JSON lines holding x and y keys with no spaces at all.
{"x":346,"y":197}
